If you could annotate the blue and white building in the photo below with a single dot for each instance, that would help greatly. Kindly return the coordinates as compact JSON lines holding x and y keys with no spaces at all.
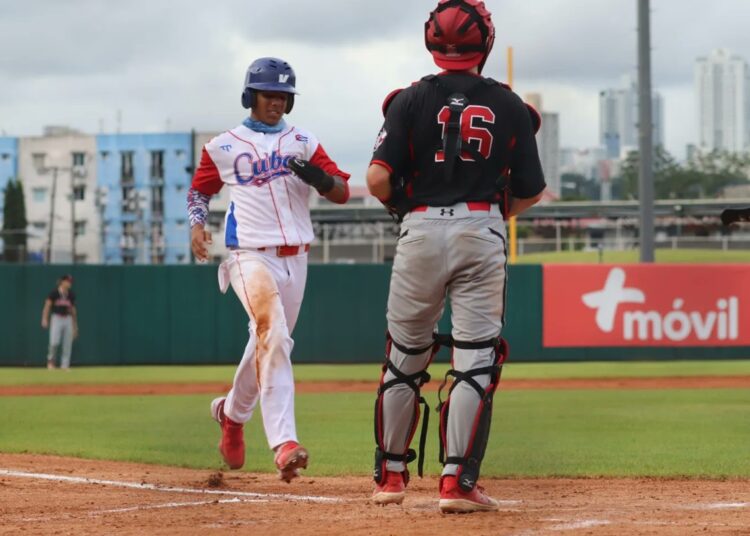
{"x":143,"y":181}
{"x":8,"y":165}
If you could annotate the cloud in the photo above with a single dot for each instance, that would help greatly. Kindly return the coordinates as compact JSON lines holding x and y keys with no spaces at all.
{"x":78,"y":62}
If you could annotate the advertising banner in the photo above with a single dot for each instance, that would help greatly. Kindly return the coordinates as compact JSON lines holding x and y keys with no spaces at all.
{"x":646,"y":305}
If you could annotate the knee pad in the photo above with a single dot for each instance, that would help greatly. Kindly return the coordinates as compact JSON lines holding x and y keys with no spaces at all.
{"x":414,"y":382}
{"x":469,"y":464}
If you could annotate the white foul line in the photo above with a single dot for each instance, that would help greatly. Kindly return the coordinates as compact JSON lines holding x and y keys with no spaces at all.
{"x":154,"y":487}
{"x":175,"y":505}
{"x":234,"y":500}
{"x":582,"y":524}
{"x":722,"y":506}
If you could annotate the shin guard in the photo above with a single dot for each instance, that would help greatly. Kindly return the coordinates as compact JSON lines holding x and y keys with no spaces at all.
{"x":414,"y":382}
{"x":469,"y":464}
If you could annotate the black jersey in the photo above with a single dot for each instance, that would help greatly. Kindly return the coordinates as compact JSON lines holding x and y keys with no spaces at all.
{"x":495,"y":123}
{"x":62,"y":304}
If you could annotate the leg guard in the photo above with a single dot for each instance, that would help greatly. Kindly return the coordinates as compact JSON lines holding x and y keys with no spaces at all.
{"x":469,"y":464}
{"x":383,"y":452}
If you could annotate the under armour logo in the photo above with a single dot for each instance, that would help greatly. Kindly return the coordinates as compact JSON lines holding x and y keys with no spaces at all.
{"x":226,"y":148}
{"x":446,"y":212}
{"x":283,"y":78}
{"x":607,"y":300}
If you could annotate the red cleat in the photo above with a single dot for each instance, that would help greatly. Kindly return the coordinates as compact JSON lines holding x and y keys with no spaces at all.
{"x":290,"y":458}
{"x":232,"y":444}
{"x":454,"y":500}
{"x":391,"y":491}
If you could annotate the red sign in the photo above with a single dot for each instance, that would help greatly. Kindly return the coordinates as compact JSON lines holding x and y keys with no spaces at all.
{"x":646,"y":305}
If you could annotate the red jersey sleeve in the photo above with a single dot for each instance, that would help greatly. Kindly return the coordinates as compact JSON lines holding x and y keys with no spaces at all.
{"x":206,"y":178}
{"x":321,"y":159}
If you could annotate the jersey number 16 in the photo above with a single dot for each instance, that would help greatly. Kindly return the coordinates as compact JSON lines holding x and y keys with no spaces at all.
{"x":472,"y":118}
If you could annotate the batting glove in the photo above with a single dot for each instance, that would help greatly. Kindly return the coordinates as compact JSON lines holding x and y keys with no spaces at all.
{"x":312,"y":175}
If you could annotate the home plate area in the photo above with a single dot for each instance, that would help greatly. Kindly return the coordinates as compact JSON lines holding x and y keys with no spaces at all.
{"x":55,"y":495}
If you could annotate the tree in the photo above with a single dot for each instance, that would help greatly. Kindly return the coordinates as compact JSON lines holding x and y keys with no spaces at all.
{"x":576,"y":187}
{"x":14,"y":222}
{"x":704,"y":176}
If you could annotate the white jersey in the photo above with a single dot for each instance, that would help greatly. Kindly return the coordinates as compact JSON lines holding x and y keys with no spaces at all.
{"x":268,"y":203}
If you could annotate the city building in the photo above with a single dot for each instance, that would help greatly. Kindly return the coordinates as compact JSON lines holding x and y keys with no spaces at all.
{"x":8,"y":165}
{"x":143,"y":180}
{"x":58,"y":172}
{"x":618,"y":119}
{"x":548,"y":142}
{"x":722,"y":87}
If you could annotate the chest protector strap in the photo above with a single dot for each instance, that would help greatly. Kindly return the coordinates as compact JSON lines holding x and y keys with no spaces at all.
{"x":453,"y":143}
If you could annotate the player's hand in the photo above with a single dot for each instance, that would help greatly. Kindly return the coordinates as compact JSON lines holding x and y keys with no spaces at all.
{"x":45,"y":323}
{"x":75,"y":332}
{"x":312,"y":175}
{"x":199,"y":240}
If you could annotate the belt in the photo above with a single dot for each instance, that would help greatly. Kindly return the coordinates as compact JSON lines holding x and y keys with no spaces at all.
{"x":287,"y":251}
{"x":471,"y":205}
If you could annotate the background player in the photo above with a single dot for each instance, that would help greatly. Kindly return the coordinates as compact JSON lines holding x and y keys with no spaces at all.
{"x":62,"y":322}
{"x":448,"y":146}
{"x":268,"y":233}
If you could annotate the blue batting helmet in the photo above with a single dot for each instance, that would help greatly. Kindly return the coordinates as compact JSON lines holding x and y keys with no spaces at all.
{"x":269,"y":74}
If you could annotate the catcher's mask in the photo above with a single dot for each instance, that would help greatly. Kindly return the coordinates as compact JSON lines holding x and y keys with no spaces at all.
{"x":459,"y":34}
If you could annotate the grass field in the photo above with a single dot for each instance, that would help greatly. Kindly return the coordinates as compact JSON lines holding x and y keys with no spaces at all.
{"x":676,"y":432}
{"x":368,"y":372}
{"x":632,"y":256}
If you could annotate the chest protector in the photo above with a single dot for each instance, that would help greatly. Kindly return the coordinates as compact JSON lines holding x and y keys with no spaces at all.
{"x":453,"y":144}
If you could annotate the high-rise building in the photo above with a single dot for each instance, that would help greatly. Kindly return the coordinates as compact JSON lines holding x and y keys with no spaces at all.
{"x":618,"y":118}
{"x":548,"y":142}
{"x":722,"y":86}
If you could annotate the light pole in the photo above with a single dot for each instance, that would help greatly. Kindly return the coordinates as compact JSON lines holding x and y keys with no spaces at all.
{"x":72,"y":219}
{"x":645,"y":129}
{"x":43,"y":170}
{"x":51,"y":210}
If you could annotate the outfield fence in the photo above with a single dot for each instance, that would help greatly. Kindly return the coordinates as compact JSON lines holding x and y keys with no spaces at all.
{"x":176,"y":315}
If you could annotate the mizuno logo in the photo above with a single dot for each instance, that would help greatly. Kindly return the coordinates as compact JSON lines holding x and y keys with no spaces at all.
{"x":458,"y":102}
{"x":283,"y":78}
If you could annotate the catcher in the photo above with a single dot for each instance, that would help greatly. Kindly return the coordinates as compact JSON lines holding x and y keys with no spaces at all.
{"x":449,"y":145}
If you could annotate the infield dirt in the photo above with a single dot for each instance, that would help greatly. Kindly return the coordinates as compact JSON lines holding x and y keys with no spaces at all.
{"x":50,"y":504}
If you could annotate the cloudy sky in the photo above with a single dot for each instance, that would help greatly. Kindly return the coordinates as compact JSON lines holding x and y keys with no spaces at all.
{"x":180,"y":65}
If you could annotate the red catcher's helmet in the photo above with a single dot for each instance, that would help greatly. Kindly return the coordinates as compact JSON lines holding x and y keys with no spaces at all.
{"x":459,"y":34}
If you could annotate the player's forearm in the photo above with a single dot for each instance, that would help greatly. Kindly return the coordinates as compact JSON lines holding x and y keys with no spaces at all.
{"x":379,"y":182}
{"x":517,"y":205}
{"x":45,"y":312}
{"x":197,"y":206}
{"x":340,"y":191}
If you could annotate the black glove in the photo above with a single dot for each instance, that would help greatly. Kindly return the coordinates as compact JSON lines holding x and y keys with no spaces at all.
{"x":398,"y":204}
{"x":312,"y":175}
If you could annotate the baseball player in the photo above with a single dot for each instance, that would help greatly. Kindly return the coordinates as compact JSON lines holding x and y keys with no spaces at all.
{"x":61,"y":317}
{"x":450,"y":145}
{"x":269,"y":168}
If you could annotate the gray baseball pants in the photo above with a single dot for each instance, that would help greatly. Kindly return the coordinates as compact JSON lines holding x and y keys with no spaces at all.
{"x":60,"y":334}
{"x":449,"y":252}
